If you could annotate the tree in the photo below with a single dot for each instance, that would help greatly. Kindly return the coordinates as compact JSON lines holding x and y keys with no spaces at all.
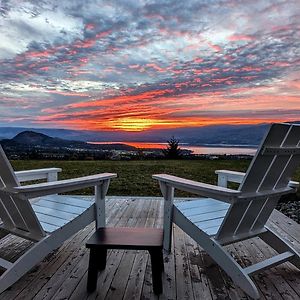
{"x":173,"y":151}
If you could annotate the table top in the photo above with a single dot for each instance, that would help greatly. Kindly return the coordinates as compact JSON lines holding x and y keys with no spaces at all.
{"x":126,"y":237}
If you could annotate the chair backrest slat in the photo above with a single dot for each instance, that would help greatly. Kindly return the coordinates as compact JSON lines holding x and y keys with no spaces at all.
{"x":270,"y":169}
{"x":5,"y":217}
{"x":265,"y":213}
{"x":261,"y":163}
{"x":13,"y":211}
{"x":232,"y":220}
{"x":16,"y":213}
{"x":279,"y":174}
{"x":248,"y":219}
{"x":7,"y":173}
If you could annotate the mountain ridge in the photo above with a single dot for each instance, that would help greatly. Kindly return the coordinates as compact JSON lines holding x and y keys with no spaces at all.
{"x":30,"y":138}
{"x":206,"y":135}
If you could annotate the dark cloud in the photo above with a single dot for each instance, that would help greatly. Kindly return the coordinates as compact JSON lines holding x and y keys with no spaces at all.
{"x":78,"y":51}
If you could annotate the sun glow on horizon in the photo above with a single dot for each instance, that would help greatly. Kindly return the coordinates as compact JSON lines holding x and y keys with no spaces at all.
{"x":135,"y":124}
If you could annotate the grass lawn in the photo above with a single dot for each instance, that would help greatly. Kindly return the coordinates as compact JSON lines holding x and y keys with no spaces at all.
{"x":134,"y":177}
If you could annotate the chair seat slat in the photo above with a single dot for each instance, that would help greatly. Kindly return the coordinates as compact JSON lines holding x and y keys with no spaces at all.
{"x":190,"y":204}
{"x":215,"y":223}
{"x":54,"y":212}
{"x":70,"y":201}
{"x":49,"y":227}
{"x":59,"y":206}
{"x":51,"y":220}
{"x":195,"y":210}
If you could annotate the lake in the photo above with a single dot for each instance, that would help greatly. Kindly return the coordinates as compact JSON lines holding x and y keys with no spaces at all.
{"x":218,"y":150}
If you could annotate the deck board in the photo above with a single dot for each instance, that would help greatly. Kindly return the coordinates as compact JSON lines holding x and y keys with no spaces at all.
{"x":189,"y":272}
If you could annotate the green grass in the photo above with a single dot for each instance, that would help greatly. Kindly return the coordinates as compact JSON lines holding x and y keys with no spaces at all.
{"x":134,"y":177}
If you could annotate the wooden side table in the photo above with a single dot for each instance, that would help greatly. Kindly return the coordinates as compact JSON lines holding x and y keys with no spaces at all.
{"x":150,"y":239}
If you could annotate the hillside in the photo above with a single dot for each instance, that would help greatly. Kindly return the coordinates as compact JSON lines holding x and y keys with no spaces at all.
{"x":39,"y":139}
{"x":218,"y":134}
{"x":30,"y":140}
{"x":206,"y":135}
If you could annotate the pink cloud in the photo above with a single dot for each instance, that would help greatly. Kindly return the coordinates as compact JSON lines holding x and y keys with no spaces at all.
{"x":216,"y":48}
{"x":240,"y":37}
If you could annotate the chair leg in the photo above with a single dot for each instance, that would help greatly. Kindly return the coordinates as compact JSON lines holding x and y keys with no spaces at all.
{"x":276,"y":242}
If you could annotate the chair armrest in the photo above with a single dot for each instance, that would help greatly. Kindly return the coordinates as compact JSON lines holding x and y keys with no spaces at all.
{"x":204,"y":189}
{"x":61,"y":186}
{"x":49,"y":173}
{"x":225,"y":176}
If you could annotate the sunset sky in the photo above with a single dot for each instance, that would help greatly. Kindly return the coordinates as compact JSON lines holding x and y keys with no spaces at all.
{"x":134,"y":65}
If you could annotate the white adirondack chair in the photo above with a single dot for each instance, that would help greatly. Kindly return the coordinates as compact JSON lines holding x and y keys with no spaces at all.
{"x":48,"y":219}
{"x":235,"y":215}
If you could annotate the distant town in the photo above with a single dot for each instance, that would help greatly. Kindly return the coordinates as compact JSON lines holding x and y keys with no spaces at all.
{"x":34,"y":145}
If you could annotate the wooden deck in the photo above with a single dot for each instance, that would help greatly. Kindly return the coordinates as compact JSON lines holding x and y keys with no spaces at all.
{"x":189,"y":272}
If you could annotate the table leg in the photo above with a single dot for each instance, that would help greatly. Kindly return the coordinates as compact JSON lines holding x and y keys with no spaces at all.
{"x":101,"y":258}
{"x":156,"y":266}
{"x":92,"y":271}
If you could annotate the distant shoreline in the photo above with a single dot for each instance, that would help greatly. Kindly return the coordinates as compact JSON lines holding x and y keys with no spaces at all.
{"x":181,"y":145}
{"x":206,"y":149}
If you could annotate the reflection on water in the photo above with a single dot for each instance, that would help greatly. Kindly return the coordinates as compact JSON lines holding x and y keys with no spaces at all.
{"x":195,"y":149}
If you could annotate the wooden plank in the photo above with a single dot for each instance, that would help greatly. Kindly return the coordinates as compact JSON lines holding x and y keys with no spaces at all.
{"x":285,"y":223}
{"x":136,"y":279}
{"x":62,"y":275}
{"x":115,"y":217}
{"x":182,"y":272}
{"x":120,"y":280}
{"x":278,"y":275}
{"x":169,"y":282}
{"x":199,"y":280}
{"x":250,"y":255}
{"x":43,"y":272}
{"x":282,"y":282}
{"x":78,"y":288}
{"x":234,"y":291}
{"x":213,"y":276}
